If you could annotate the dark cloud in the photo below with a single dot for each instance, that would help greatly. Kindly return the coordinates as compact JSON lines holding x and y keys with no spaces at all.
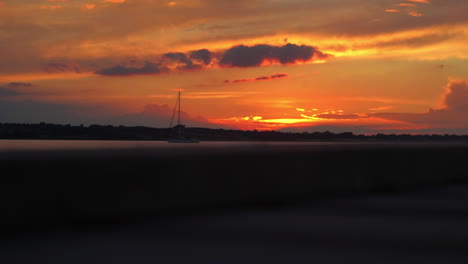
{"x":279,"y":75}
{"x":261,"y":78}
{"x":19,"y":84}
{"x":119,"y":70}
{"x":167,"y":63}
{"x":203,"y":55}
{"x":177,"y":57}
{"x":180,"y":58}
{"x":55,"y":67}
{"x":239,"y":56}
{"x":241,"y":81}
{"x":244,"y":56}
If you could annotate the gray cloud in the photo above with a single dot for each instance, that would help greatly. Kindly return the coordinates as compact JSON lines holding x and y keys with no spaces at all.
{"x":239,"y":56}
{"x":203,"y":55}
{"x":119,"y":70}
{"x":181,"y":58}
{"x":245,"y":56}
{"x":178,"y":57}
{"x":278,"y":75}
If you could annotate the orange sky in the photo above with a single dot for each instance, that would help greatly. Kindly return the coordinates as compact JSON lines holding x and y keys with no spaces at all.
{"x":301,"y":65}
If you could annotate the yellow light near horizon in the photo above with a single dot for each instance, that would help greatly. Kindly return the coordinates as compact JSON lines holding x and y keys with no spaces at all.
{"x":115,"y":1}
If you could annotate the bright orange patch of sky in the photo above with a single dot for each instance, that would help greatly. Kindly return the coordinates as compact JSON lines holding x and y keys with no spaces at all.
{"x":387,"y":60}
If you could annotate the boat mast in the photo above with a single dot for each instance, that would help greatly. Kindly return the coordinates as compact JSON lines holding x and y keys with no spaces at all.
{"x":178,"y":121}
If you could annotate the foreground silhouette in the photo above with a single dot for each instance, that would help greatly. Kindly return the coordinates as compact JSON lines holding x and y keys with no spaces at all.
{"x":230,"y":202}
{"x":101,"y":132}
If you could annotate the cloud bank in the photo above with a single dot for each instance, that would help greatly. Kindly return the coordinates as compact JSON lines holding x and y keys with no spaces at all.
{"x":449,"y":119}
{"x":454,"y":114}
{"x":238,"y":56}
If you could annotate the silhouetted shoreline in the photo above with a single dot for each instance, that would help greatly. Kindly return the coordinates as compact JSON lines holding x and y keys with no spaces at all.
{"x":106,"y":132}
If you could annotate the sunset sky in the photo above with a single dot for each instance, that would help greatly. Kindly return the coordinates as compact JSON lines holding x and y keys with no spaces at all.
{"x":365,"y":66}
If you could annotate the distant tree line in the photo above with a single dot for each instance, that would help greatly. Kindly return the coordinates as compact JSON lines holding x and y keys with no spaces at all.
{"x":104,"y":132}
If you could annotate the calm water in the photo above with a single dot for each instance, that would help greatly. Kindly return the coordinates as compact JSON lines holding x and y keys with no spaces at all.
{"x":38,"y":145}
{"x":19,"y":145}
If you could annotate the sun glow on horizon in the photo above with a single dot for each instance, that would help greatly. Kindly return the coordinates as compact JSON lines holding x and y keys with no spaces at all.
{"x":303,"y":64}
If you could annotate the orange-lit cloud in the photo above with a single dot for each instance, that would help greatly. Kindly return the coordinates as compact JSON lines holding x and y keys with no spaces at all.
{"x":115,"y":1}
{"x":420,"y":1}
{"x":304,"y":117}
{"x":381,"y":108}
{"x":90,"y":6}
{"x":414,"y":13}
{"x":392,"y":10}
{"x":51,"y":7}
{"x":214,"y":95}
{"x":261,"y":123}
{"x":407,"y":4}
{"x":377,"y":61}
{"x":453,"y":115}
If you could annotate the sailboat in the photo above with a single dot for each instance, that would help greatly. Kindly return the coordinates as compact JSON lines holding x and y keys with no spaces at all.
{"x":179,"y":138}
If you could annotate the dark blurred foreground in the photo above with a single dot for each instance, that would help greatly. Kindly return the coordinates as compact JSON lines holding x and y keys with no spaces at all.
{"x":422,"y":227}
{"x":369,"y":203}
